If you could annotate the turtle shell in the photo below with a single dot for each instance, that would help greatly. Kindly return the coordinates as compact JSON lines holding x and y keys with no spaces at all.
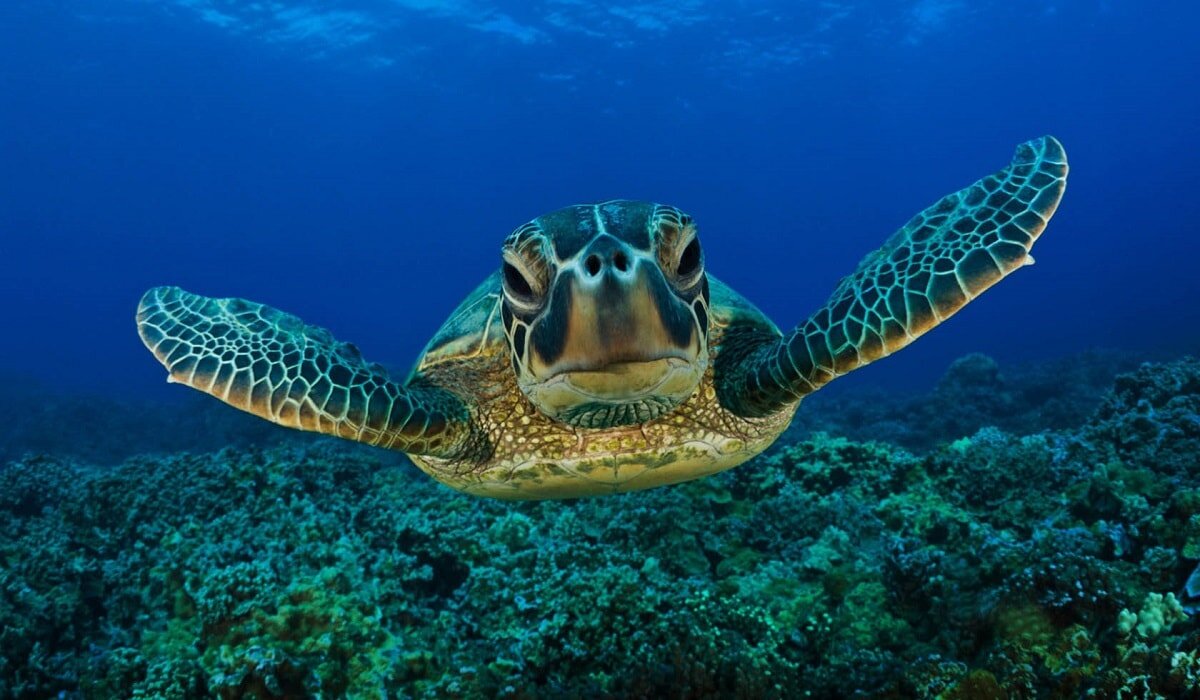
{"x":471,"y":328}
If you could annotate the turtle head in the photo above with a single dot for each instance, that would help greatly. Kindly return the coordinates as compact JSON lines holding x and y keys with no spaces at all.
{"x":606,"y":311}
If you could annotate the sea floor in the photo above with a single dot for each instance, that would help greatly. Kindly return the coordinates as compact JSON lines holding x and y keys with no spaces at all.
{"x":1012,"y":533}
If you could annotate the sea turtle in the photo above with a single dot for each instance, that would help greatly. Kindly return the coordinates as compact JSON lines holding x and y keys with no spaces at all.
{"x":602,"y":357}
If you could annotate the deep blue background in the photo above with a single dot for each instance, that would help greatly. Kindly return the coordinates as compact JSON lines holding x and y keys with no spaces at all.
{"x":359,"y":163}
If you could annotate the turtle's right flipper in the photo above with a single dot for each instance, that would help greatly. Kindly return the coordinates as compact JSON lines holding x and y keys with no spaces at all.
{"x":939,"y":261}
{"x":273,"y":365}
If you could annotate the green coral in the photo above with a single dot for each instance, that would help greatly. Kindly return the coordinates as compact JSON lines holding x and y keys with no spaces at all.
{"x":1158,"y":614}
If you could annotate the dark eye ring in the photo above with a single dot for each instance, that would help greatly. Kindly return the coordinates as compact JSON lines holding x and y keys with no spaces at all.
{"x":689,"y":260}
{"x":517,"y":284}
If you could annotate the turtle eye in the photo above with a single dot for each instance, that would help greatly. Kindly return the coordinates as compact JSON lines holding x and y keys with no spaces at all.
{"x":518,"y":287}
{"x":689,"y":259}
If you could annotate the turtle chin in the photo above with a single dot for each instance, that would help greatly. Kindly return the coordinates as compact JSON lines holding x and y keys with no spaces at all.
{"x":617,"y":394}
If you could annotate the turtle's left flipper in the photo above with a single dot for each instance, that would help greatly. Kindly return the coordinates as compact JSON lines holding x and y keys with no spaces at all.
{"x":943,"y":258}
{"x":273,"y":365}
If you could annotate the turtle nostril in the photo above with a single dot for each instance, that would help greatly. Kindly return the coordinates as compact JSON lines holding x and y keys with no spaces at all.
{"x":620,"y":261}
{"x":592,"y":264}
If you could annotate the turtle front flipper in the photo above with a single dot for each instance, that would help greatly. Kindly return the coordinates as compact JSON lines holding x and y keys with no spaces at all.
{"x":273,"y":365}
{"x":943,"y":258}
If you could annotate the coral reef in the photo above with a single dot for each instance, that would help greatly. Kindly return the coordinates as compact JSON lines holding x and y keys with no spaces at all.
{"x":1009,"y":562}
{"x":974,"y":393}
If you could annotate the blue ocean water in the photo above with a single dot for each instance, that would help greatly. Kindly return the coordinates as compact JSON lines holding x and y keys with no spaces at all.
{"x":359,"y":163}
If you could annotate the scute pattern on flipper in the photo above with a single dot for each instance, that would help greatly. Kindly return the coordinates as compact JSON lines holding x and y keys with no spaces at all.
{"x":941,"y":259}
{"x":272,"y":364}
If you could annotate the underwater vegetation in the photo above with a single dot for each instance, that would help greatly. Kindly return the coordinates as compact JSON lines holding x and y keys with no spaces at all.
{"x":1023,"y":535}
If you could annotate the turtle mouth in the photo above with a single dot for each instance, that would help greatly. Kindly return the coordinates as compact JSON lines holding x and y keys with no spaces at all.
{"x":625,"y":381}
{"x":617,"y":393}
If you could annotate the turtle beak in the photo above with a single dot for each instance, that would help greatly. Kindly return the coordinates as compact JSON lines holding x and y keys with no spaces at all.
{"x":614,"y":329}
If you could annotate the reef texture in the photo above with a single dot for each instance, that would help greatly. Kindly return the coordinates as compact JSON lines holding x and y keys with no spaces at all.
{"x":1045,"y":565}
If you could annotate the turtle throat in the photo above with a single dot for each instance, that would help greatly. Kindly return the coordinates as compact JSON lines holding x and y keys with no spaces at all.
{"x":597,"y":414}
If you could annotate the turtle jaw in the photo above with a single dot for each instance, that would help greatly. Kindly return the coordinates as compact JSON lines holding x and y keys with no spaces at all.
{"x":624,"y":381}
{"x":620,"y":393}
